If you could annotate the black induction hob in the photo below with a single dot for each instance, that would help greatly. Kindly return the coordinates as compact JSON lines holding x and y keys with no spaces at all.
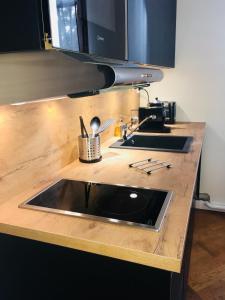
{"x":105,"y":202}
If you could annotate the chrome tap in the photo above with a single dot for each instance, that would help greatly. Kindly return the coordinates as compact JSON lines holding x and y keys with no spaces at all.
{"x":126,"y":136}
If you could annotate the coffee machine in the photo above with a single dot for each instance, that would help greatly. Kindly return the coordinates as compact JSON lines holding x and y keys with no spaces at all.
{"x":164,"y":113}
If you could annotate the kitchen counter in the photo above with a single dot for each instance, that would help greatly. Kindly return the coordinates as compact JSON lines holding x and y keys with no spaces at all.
{"x":163,"y":249}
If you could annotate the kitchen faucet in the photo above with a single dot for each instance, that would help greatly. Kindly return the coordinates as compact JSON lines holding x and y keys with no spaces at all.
{"x":126,"y":136}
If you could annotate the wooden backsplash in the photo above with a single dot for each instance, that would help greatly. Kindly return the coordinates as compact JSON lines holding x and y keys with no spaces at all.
{"x":38,"y":139}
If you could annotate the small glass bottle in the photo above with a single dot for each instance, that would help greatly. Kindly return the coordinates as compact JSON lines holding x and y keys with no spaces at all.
{"x":134,"y":117}
{"x":119,"y":128}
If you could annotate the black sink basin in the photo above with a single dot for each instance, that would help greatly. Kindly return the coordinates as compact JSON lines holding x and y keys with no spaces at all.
{"x":156,"y":143}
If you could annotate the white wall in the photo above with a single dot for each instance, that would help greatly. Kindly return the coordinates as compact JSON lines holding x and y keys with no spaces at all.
{"x":198,"y":83}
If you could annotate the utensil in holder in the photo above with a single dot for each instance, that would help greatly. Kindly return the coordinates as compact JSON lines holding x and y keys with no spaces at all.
{"x":89,"y":149}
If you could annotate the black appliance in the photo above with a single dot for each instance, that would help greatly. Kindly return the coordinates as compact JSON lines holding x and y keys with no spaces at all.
{"x":109,"y":203}
{"x":169,"y":112}
{"x":94,"y":27}
{"x":139,"y":31}
{"x":152,"y":31}
{"x":157,"y":123}
{"x":162,"y":112}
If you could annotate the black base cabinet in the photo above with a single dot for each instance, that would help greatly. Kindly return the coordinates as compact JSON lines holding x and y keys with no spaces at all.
{"x":36,"y":270}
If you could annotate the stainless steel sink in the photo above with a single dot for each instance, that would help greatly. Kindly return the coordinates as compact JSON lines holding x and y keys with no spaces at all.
{"x":155,"y":143}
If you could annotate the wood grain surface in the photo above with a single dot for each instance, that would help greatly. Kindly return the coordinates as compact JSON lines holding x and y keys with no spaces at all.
{"x":162,"y":249}
{"x":207,"y":267}
{"x":39,"y":139}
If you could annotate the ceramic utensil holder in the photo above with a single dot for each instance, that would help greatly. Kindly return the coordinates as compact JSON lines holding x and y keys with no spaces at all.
{"x":89,"y":149}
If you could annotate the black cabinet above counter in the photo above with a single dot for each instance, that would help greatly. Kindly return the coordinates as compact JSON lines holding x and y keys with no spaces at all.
{"x":22,"y":25}
{"x":152,"y":31}
{"x":140,"y":31}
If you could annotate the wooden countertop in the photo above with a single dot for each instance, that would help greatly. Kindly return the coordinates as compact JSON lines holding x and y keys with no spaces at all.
{"x":162,"y":249}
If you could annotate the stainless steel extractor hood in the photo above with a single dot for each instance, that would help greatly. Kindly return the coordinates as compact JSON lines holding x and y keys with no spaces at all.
{"x":135,"y":75}
{"x":121,"y":73}
{"x":35,"y":75}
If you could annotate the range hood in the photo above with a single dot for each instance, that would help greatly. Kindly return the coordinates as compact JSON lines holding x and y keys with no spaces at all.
{"x":36,"y":75}
{"x":121,"y":73}
{"x":134,"y":75}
